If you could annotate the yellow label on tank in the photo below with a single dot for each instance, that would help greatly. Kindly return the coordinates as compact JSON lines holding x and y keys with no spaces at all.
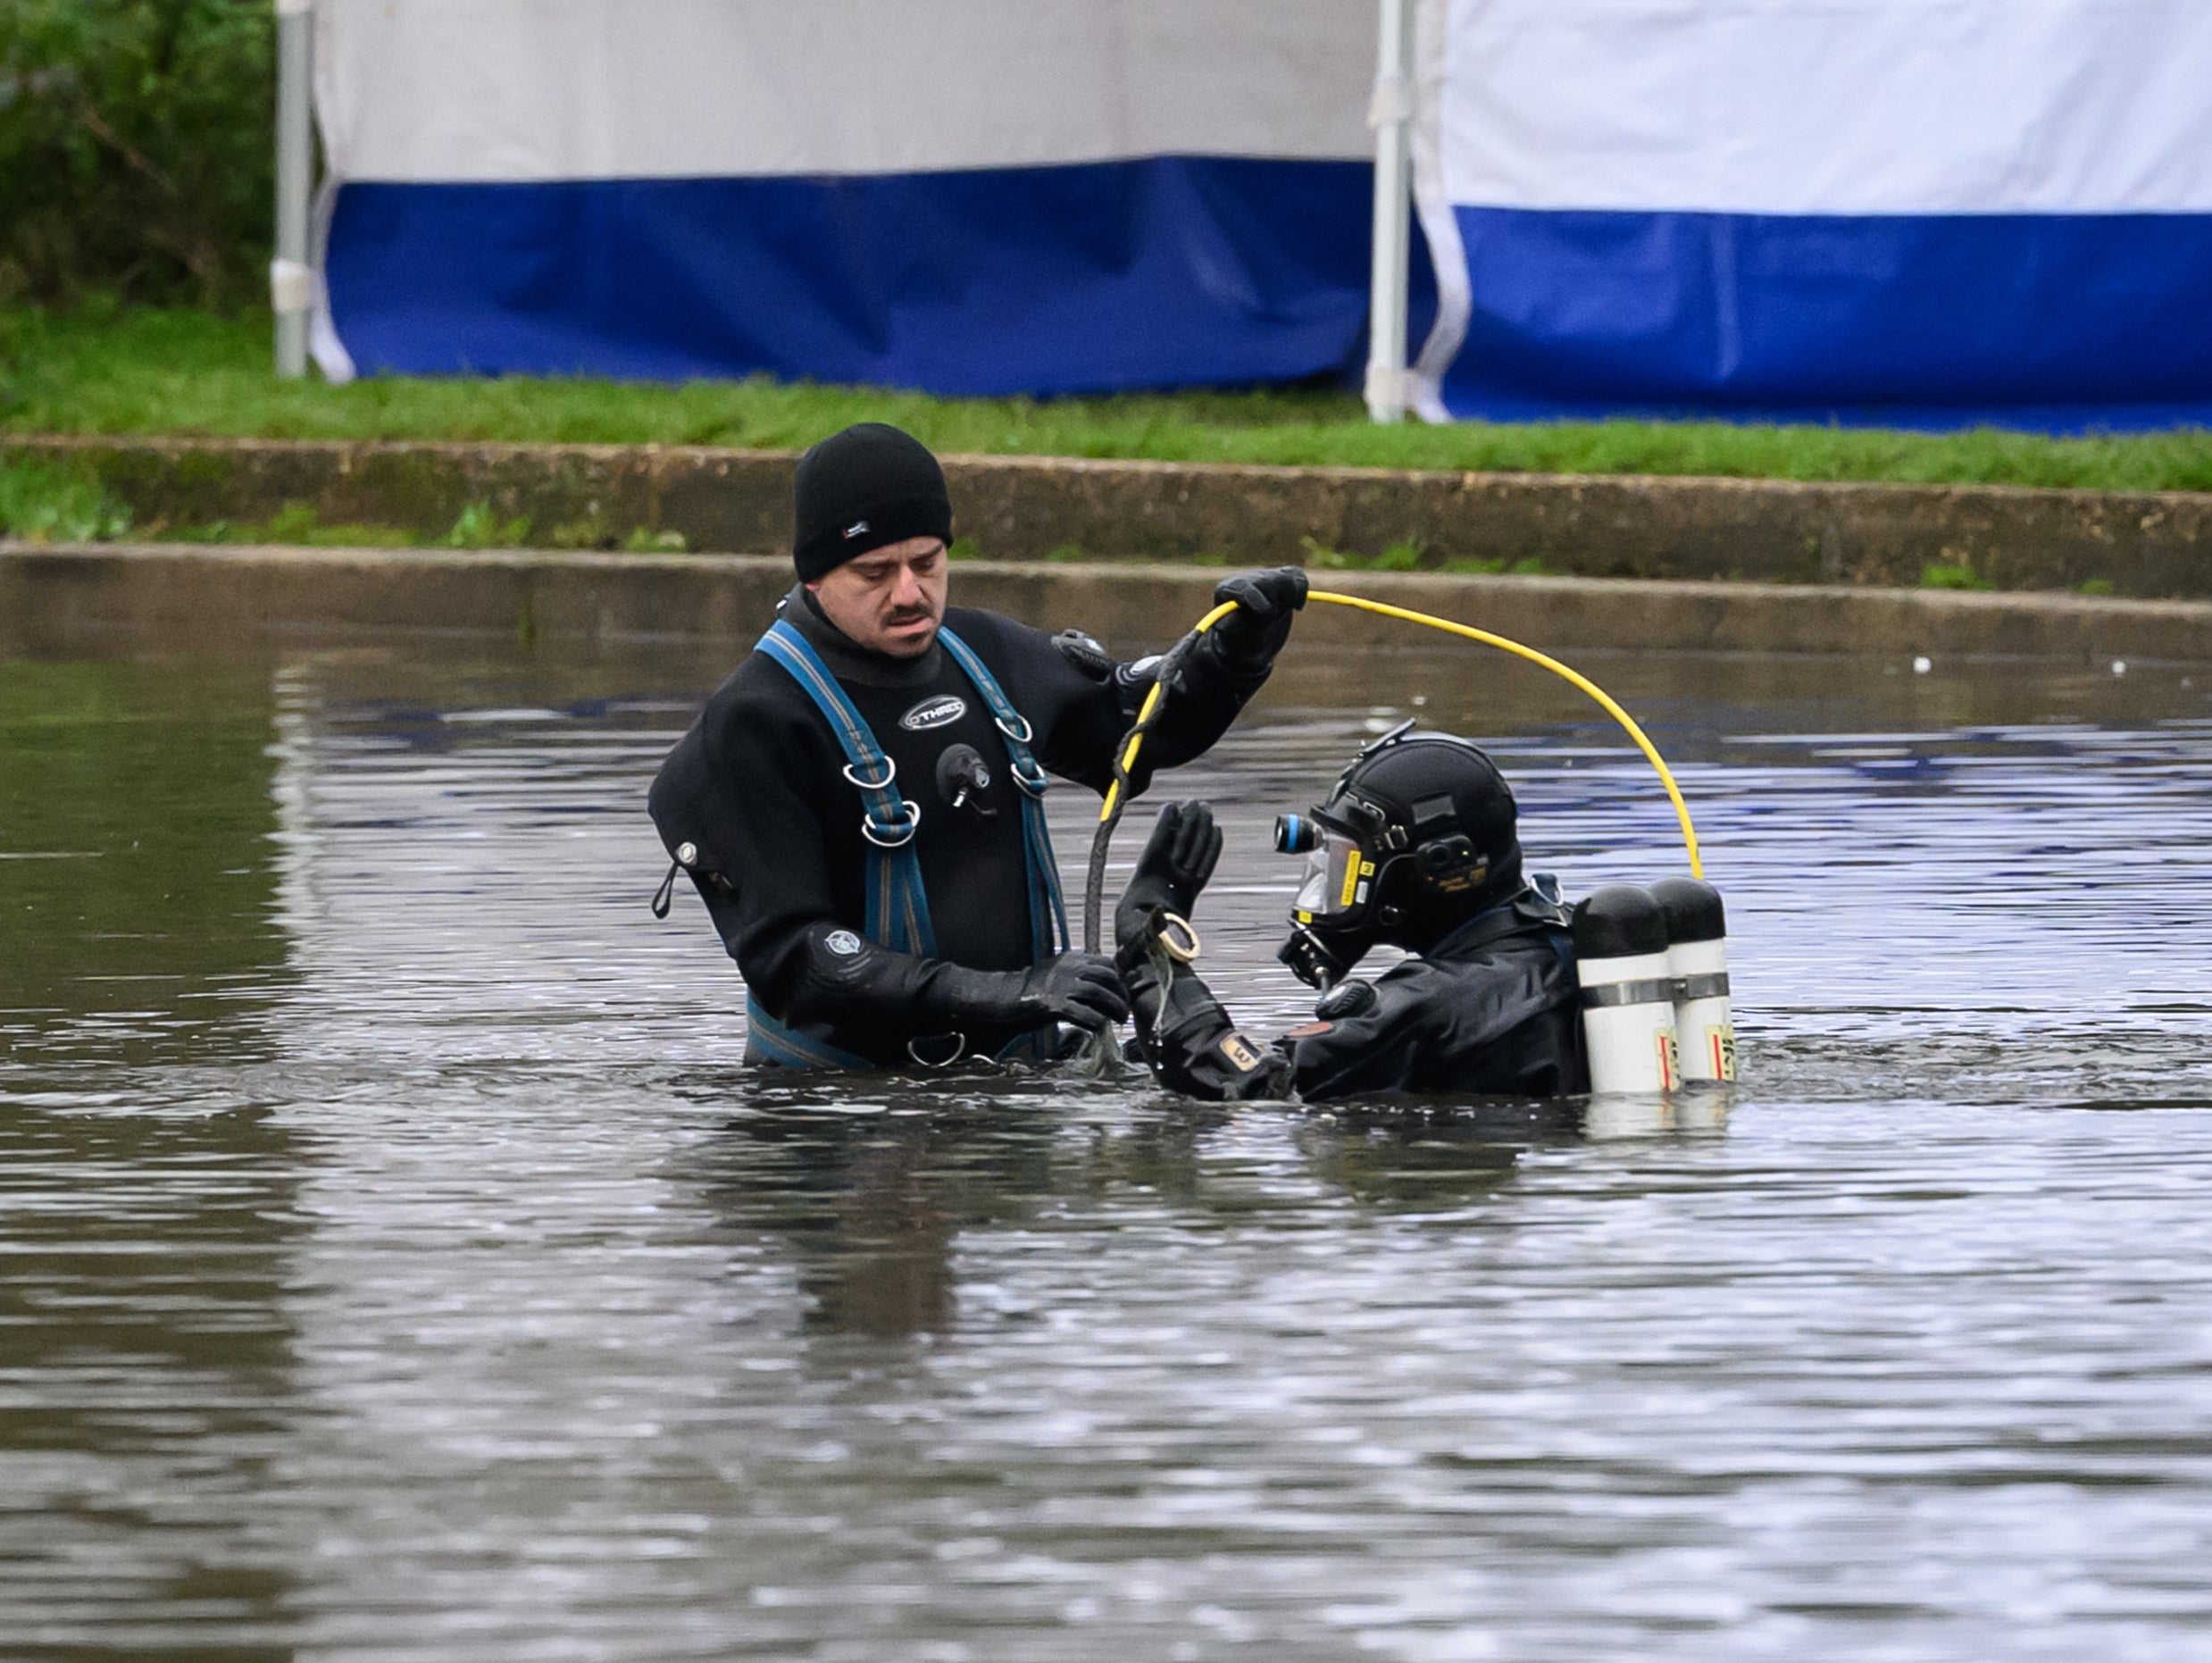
{"x":1721,"y":1042}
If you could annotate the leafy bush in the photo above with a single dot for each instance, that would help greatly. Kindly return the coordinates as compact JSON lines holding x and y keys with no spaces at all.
{"x":136,"y":149}
{"x":47,"y":503}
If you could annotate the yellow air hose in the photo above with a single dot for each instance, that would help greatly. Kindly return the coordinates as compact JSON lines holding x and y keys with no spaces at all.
{"x":1109,"y":811}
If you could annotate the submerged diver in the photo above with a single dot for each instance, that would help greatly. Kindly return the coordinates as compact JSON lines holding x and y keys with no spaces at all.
{"x":858,"y":805}
{"x":1417,"y":847}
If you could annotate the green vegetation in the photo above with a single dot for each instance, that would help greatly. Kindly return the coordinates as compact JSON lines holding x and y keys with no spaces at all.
{"x":102,"y":369}
{"x":1411,"y":555}
{"x":135,"y":149}
{"x":136,"y":168}
{"x":1406,"y":556}
{"x":478,"y":526}
{"x":46,"y":503}
{"x":1942,"y":575}
{"x":297,"y":523}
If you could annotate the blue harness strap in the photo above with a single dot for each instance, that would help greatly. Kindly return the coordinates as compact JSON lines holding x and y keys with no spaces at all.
{"x":1048,"y":912}
{"x":897,"y":910}
{"x":788,"y":1048}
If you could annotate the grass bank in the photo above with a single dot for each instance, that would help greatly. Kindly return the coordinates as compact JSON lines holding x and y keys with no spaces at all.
{"x":146,"y":370}
{"x":45,"y":502}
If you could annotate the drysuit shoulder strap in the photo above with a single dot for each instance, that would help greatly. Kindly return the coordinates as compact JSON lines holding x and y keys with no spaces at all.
{"x":1047,"y":908}
{"x":898,"y":912}
{"x":791,"y":650}
{"x":898,"y":909}
{"x":1013,"y":725}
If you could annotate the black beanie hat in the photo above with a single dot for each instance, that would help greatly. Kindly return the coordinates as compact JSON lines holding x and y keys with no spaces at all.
{"x":865,"y":488}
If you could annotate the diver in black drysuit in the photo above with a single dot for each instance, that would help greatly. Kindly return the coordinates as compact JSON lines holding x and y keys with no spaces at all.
{"x":761,"y":805}
{"x":1417,"y":847}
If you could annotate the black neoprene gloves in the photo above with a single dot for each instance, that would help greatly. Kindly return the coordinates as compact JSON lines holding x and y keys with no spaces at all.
{"x":1248,"y":639}
{"x":1178,"y":859}
{"x":1187,"y":1039}
{"x":1078,"y":987}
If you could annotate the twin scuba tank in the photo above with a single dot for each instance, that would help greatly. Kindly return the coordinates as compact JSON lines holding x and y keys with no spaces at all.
{"x":1653,"y":965}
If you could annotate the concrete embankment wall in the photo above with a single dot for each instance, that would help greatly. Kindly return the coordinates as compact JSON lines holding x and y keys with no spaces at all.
{"x":2150,"y":544}
{"x":70,"y":599}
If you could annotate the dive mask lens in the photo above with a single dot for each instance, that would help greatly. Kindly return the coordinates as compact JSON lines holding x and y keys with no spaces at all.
{"x":1333,"y":879}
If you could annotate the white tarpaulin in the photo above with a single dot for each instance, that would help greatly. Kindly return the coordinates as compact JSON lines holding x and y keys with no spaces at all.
{"x":1940,"y":209}
{"x":968,"y":196}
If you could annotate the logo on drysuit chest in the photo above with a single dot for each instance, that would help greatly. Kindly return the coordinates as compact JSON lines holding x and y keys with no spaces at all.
{"x":844,"y":943}
{"x":934,"y":712}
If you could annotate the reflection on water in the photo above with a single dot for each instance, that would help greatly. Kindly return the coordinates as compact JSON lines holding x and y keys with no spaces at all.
{"x":145,"y":1346}
{"x":398,"y":1261}
{"x":135,"y":827}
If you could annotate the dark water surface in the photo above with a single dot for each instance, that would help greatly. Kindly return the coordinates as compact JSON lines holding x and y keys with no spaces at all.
{"x":396,"y":1262}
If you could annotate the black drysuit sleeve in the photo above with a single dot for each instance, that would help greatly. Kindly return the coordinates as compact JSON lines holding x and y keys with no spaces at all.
{"x":1431,"y":1028}
{"x":1504,"y":1021}
{"x":1081,"y":706}
{"x":763,"y":867}
{"x":1188,"y":1041}
{"x":744,"y":794}
{"x":1390,"y":1046}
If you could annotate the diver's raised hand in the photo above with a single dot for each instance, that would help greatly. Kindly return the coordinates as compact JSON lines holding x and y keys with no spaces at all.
{"x":1078,"y":987}
{"x":1248,"y":639}
{"x":1178,"y":858}
{"x":1180,"y":855}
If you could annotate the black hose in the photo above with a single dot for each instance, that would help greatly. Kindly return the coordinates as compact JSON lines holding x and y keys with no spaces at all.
{"x":1094,"y":880}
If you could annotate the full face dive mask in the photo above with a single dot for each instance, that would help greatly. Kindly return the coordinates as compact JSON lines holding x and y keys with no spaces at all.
{"x":1329,"y":917}
{"x":1416,"y":828}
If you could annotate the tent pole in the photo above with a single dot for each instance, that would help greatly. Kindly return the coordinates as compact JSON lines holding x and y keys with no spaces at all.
{"x":291,"y":283}
{"x":1390,"y":114}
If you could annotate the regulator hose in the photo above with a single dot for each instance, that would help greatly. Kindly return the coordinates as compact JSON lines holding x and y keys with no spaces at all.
{"x":1125,"y":759}
{"x":1117,"y":793}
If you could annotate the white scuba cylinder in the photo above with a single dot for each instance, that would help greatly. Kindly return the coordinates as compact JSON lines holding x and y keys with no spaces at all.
{"x":1628,"y":991}
{"x":1696,"y":934}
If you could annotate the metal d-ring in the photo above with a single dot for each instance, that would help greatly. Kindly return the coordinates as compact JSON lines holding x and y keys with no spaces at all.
{"x":890,"y":772}
{"x":905,"y":829}
{"x":1177,"y":939}
{"x":1021,"y":738}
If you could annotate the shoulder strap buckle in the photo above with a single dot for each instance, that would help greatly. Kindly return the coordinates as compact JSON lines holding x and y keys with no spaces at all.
{"x":898,"y":833}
